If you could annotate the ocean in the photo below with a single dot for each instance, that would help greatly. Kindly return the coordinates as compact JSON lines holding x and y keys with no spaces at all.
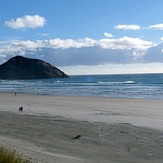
{"x":146,"y":86}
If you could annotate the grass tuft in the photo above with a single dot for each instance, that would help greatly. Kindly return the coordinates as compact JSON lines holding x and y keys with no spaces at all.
{"x":10,"y":156}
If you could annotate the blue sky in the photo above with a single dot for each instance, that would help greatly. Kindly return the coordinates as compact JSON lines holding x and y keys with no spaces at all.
{"x":85,"y":36}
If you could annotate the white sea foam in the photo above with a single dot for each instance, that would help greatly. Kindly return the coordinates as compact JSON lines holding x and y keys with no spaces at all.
{"x":124,"y":82}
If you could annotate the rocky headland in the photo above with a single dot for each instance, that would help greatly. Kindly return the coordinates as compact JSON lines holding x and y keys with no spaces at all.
{"x":20,"y":67}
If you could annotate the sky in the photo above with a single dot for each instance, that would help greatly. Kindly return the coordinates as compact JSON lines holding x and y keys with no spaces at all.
{"x":85,"y":36}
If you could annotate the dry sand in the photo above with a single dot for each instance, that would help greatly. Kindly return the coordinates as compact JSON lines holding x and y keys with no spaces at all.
{"x":110,"y":130}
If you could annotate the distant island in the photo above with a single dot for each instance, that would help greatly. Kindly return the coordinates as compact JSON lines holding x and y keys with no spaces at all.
{"x":20,"y":67}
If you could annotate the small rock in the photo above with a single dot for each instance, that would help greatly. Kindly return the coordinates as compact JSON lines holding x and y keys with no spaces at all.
{"x":77,"y":137}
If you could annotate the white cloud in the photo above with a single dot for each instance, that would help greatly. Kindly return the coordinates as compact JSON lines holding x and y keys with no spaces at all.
{"x":125,"y":43}
{"x":70,"y":43}
{"x":108,"y":35}
{"x":154,"y":54}
{"x":156,"y":27}
{"x":43,"y":34}
{"x":128,"y":27}
{"x":27,"y":21}
{"x":114,"y":69}
{"x":85,"y":51}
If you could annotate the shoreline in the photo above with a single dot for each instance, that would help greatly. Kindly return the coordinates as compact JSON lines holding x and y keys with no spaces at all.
{"x":82,"y":129}
{"x":88,"y":96}
{"x":139,"y":112}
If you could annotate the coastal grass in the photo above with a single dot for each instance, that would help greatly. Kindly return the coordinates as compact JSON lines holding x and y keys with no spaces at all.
{"x":10,"y":156}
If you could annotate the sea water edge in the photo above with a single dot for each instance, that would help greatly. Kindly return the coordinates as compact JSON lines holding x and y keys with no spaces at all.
{"x":146,"y":86}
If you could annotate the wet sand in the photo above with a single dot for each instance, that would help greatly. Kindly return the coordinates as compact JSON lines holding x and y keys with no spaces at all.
{"x":82,"y":129}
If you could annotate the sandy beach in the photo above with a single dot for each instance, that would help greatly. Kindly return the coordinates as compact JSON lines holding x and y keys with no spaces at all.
{"x":59,"y":129}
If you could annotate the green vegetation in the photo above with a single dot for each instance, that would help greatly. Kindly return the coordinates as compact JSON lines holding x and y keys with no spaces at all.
{"x":10,"y":156}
